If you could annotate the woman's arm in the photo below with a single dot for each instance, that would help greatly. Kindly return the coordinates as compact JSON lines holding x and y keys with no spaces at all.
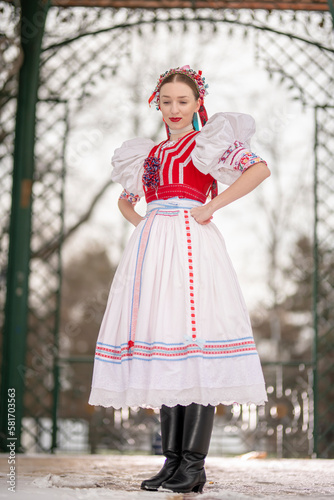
{"x":128,"y":211}
{"x":248,"y":181}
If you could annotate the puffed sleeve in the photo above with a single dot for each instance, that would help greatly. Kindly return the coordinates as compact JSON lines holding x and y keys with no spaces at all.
{"x":223,"y":146}
{"x":128,"y":163}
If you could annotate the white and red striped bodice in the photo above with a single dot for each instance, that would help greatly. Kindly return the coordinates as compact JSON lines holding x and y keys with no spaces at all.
{"x":178,"y":176}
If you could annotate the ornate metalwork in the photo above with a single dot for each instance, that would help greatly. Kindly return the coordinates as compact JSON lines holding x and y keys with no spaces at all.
{"x":295,"y":47}
{"x":282,"y":427}
{"x":309,"y":5}
{"x":41,"y":370}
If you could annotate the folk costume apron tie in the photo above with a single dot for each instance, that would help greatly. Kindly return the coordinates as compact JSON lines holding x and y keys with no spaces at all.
{"x":163,"y":208}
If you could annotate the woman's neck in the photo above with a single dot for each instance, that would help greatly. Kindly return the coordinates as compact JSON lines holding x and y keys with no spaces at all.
{"x":175,"y":135}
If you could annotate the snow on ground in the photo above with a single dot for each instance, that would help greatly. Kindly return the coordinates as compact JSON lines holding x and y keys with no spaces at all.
{"x":118,"y":477}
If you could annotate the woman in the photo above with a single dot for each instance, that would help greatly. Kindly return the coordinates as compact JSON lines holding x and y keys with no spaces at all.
{"x":176,"y":333}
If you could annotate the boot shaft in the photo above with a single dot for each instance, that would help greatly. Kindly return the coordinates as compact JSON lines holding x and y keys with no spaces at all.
{"x":171,"y":420}
{"x":197,"y":428}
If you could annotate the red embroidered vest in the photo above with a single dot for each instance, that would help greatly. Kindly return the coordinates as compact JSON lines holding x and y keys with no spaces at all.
{"x":178,"y":176}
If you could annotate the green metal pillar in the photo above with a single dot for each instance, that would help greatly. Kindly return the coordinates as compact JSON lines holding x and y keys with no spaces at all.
{"x":33,"y":16}
{"x":331,"y":8}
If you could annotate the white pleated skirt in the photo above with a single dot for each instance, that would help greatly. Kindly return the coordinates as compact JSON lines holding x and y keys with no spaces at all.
{"x":176,"y":329}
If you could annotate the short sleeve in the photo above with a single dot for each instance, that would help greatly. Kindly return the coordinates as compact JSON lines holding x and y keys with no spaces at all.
{"x":128,"y":165}
{"x":223,"y":146}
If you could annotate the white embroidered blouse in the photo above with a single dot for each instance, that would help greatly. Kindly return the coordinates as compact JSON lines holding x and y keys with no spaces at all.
{"x":222,"y":150}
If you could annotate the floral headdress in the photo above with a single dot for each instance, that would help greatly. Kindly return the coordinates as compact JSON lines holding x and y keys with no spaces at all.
{"x":200,"y":84}
{"x":184,"y":70}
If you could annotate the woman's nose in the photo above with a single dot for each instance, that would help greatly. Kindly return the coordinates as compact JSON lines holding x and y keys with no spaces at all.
{"x":175,"y":108}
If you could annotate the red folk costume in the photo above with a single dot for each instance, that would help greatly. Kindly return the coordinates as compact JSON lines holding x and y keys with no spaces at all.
{"x":178,"y":176}
{"x":176,"y":329}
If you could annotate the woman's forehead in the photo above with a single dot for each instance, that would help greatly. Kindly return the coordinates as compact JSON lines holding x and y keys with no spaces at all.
{"x":178,"y":89}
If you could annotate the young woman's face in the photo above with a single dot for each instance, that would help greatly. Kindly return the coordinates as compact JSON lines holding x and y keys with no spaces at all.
{"x":178,"y":104}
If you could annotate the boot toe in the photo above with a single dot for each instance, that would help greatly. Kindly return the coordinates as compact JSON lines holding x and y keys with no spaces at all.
{"x":148,"y":486}
{"x":185,"y":481}
{"x":154,"y":483}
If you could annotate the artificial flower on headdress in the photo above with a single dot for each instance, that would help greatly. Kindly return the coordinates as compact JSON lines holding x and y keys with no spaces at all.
{"x":183,"y":70}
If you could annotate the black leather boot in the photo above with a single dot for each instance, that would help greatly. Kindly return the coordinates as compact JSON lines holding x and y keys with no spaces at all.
{"x":190,"y":475}
{"x":171,"y":440}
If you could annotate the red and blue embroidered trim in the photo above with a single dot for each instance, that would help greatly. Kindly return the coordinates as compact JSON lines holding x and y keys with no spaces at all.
{"x":242,"y":158}
{"x":166,"y":213}
{"x":247,"y":160}
{"x":132,"y":198}
{"x":227,"y":153}
{"x":175,"y":352}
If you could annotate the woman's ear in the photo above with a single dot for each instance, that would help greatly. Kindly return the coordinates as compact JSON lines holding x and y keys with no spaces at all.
{"x":198,"y":105}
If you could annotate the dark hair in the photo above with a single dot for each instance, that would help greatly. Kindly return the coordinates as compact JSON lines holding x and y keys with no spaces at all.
{"x":179,"y":77}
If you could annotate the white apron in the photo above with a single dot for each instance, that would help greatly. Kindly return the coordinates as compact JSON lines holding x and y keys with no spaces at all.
{"x":176,"y":329}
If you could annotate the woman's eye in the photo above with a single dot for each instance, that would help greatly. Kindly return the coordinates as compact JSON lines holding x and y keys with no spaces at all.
{"x":165,"y":102}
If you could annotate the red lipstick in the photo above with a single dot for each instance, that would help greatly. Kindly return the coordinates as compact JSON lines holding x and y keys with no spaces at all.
{"x":175,"y":119}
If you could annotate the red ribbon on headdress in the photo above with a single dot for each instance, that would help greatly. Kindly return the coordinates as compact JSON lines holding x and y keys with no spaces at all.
{"x":203,"y":114}
{"x":151,"y":98}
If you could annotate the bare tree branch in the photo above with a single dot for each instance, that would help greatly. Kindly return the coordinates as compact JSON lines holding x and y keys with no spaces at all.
{"x":45,"y":251}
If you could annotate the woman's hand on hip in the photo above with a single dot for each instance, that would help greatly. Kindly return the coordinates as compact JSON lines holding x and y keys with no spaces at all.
{"x":202,"y":214}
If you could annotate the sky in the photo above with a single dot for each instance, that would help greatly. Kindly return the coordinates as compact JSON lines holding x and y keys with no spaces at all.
{"x":237,"y":82}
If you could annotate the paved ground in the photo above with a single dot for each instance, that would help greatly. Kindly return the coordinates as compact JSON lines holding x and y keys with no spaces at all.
{"x":118,"y":478}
